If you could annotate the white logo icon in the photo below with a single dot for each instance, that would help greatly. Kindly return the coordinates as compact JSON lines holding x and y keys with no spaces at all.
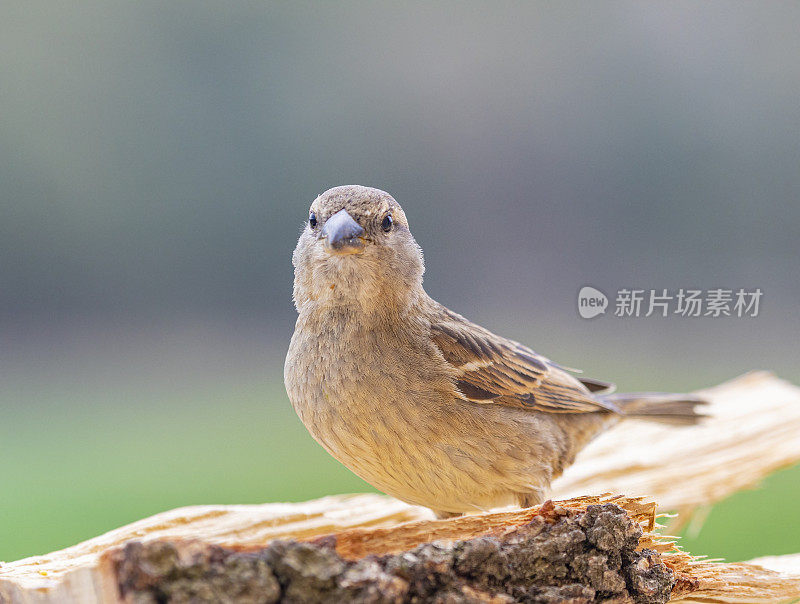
{"x":591,"y":302}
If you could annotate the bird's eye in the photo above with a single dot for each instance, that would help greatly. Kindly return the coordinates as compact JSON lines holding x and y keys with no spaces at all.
{"x":387,"y":222}
{"x":312,"y":220}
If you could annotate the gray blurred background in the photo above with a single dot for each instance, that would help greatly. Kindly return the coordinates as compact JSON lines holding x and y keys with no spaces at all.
{"x":157,"y":161}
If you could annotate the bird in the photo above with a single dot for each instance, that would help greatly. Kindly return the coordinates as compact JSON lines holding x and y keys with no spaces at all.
{"x":415,"y":399}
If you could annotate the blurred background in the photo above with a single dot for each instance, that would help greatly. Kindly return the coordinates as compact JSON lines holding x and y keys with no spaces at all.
{"x":157,"y":161}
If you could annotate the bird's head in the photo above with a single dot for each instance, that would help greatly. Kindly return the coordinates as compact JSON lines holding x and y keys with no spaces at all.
{"x":356,"y":249}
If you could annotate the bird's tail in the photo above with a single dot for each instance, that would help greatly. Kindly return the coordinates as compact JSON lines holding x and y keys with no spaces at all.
{"x":675,"y":409}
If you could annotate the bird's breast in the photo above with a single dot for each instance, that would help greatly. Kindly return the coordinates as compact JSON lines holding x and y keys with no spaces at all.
{"x":383,"y":406}
{"x":351,"y":383}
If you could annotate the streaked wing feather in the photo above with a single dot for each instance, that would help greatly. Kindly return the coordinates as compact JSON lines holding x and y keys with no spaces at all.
{"x":597,"y":386}
{"x":492,"y":369}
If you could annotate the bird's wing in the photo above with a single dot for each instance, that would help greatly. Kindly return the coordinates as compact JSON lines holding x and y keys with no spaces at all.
{"x":492,"y":369}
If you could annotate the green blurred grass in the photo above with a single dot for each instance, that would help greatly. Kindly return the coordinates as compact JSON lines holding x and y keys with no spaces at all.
{"x":74,"y":468}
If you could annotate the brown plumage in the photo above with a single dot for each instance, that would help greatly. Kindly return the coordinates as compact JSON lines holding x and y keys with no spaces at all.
{"x":413,"y":397}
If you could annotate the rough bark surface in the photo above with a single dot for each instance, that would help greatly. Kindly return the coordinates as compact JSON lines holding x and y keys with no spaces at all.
{"x":574,"y":557}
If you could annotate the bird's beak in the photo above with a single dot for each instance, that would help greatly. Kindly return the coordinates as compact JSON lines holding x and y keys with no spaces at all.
{"x":342,"y":234}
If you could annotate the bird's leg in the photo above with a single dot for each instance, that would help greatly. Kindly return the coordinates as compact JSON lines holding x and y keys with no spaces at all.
{"x":441,"y":515}
{"x":530,"y":499}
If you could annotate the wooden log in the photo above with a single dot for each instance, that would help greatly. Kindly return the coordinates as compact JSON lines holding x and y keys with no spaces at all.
{"x":756,"y":419}
{"x":151,"y":558}
{"x":74,"y":575}
{"x":577,"y":550}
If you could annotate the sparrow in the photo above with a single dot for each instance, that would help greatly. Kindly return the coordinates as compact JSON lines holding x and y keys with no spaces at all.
{"x":415,"y":399}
